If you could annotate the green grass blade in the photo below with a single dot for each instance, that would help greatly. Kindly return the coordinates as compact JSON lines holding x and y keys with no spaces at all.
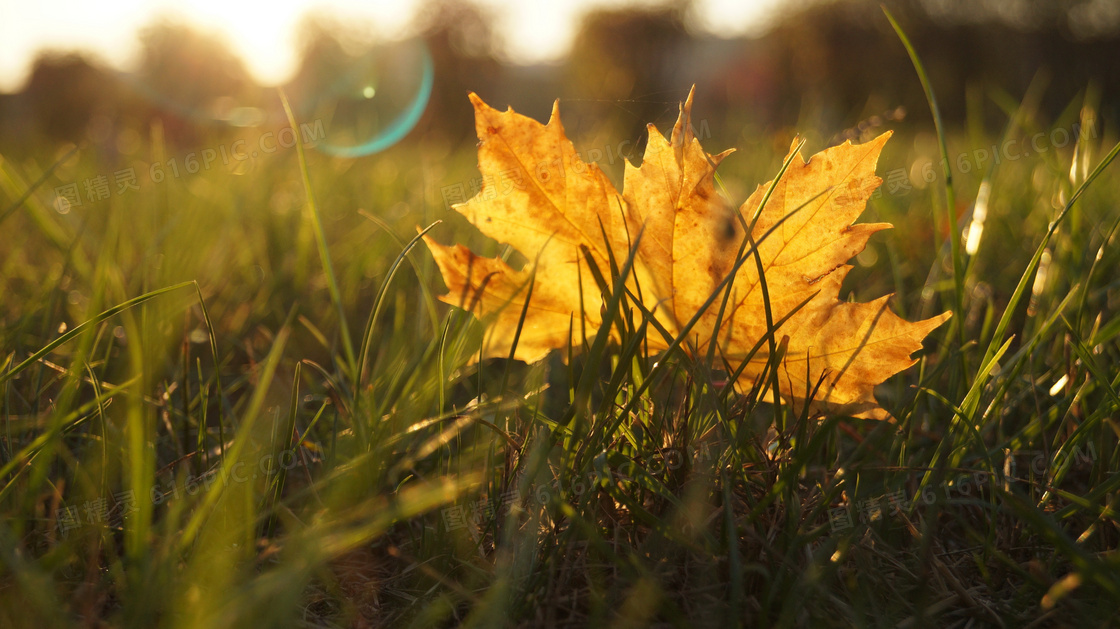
{"x":240,"y":441}
{"x":321,"y":242}
{"x":378,"y":302}
{"x":85,"y":325}
{"x":947,"y":173}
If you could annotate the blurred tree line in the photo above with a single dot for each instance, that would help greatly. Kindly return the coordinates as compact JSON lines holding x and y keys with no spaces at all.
{"x":830,"y":64}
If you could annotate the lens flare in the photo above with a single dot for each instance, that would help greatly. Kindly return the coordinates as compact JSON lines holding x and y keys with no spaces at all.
{"x":366,"y":102}
{"x":375,"y":102}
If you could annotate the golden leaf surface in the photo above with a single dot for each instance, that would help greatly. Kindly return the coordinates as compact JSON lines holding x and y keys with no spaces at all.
{"x":541,"y":198}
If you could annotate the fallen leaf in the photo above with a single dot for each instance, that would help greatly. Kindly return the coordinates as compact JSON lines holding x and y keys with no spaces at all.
{"x":541,"y":198}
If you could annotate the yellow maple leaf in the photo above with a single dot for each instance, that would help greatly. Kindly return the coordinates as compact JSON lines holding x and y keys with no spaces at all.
{"x":541,"y":198}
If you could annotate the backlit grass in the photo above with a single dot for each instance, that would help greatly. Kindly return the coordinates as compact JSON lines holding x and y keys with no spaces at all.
{"x":204,"y":427}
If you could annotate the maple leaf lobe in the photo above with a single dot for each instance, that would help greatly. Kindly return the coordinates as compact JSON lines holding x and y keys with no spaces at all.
{"x":563,"y":215}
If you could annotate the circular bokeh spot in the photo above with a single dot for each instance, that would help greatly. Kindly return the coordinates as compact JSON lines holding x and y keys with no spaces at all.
{"x":373,"y":101}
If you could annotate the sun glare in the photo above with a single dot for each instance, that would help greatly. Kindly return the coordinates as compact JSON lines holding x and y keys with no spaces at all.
{"x":264,"y":34}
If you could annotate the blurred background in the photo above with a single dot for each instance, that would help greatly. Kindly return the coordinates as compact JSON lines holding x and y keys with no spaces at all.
{"x":100,"y":76}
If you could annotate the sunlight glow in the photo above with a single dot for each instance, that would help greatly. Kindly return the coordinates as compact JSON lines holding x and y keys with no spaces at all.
{"x":263,"y":34}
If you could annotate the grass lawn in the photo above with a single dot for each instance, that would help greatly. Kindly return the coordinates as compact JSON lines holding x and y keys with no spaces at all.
{"x":231,"y":398}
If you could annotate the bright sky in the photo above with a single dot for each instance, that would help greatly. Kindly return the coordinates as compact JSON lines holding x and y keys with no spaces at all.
{"x":263,"y":32}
